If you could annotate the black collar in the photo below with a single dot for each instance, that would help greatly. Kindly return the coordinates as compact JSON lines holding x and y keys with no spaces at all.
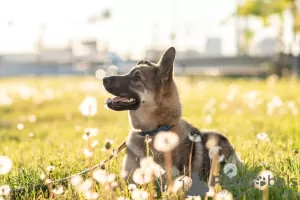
{"x":155,"y":131}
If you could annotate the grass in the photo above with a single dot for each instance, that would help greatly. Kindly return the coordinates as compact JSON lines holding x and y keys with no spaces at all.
{"x":236,"y":107}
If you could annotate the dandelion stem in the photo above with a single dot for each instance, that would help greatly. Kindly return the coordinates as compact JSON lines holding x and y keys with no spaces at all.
{"x":50,"y":186}
{"x":214,"y":171}
{"x":90,"y":159}
{"x":168,"y":165}
{"x":190,"y":160}
{"x":265,"y":194}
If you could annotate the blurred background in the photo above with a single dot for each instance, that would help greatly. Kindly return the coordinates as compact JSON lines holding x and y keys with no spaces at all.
{"x":232,"y":37}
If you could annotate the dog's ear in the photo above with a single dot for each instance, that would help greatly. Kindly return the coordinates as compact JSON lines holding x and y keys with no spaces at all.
{"x":166,"y":64}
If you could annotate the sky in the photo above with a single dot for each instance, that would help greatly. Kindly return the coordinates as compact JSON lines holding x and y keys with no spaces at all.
{"x":134,"y":25}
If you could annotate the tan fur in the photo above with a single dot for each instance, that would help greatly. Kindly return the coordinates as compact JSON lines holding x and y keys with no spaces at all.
{"x":160,"y":105}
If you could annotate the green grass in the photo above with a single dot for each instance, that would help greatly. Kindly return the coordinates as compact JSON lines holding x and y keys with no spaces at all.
{"x":59,"y":127}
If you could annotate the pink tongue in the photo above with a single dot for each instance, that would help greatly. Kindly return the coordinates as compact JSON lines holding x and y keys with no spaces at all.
{"x":116,"y":99}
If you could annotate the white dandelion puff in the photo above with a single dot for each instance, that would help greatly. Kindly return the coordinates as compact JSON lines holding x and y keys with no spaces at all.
{"x":224,"y":195}
{"x":87,"y":153}
{"x":111,"y":178}
{"x":230,"y":170}
{"x":4,"y":190}
{"x":31,"y":134}
{"x":89,"y":133}
{"x":90,"y":195}
{"x":122,"y":198}
{"x":139,"y":195}
{"x":262,"y":136}
{"x":86,"y":185}
{"x":76,"y":180}
{"x":131,"y":187}
{"x":5,"y":165}
{"x":20,"y":126}
{"x":42,"y":176}
{"x":89,"y":106}
{"x":208,"y":119}
{"x":31,"y":118}
{"x":94,"y":144}
{"x":50,"y":168}
{"x":100,"y":176}
{"x":142,"y":176}
{"x":166,"y":141}
{"x":211,"y":192}
{"x":58,"y":191}
{"x":194,"y":137}
{"x":151,"y":166}
{"x":48,"y":181}
{"x":100,"y":73}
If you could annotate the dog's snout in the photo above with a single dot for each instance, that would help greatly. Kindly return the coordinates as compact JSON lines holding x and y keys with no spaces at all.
{"x":106,"y":80}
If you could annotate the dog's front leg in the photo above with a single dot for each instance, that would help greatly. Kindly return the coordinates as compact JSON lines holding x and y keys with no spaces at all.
{"x":129,"y":165}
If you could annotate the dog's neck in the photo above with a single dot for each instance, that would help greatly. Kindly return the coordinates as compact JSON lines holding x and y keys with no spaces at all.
{"x":164,"y":113}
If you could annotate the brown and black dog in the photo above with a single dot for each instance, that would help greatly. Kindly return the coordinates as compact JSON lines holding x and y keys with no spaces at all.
{"x":150,"y":95}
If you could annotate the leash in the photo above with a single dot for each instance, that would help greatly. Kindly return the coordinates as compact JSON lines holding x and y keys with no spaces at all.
{"x":116,"y":151}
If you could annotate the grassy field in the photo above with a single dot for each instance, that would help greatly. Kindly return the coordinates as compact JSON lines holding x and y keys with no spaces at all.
{"x":239,"y":108}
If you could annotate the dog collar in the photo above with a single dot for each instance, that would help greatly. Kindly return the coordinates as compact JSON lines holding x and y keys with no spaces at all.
{"x":155,"y":131}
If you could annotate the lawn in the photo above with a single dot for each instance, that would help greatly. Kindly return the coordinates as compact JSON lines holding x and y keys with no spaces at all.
{"x":41,"y":126}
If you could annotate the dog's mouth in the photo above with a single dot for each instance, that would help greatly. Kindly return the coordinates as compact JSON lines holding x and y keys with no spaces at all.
{"x":123,"y":103}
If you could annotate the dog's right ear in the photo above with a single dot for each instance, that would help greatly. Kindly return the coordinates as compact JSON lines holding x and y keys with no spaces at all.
{"x":166,"y":64}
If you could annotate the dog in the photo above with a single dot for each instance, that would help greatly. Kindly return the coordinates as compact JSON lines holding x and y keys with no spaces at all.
{"x":149,"y":94}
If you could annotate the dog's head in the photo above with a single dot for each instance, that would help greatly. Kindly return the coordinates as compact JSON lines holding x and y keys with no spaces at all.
{"x":142,"y":84}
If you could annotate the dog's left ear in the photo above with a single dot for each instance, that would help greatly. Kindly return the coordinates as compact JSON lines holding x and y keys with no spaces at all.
{"x":166,"y":64}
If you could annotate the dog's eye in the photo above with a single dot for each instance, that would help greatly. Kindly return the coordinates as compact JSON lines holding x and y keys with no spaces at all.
{"x":137,"y":78}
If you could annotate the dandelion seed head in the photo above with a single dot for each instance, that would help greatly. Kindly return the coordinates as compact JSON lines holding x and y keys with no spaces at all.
{"x":87,"y":153}
{"x":211,"y":192}
{"x":123,"y":174}
{"x":142,"y":176}
{"x":166,"y":141}
{"x":131,"y":187}
{"x":89,"y":133}
{"x":42,"y":176}
{"x":48,"y":181}
{"x":139,"y":195}
{"x":58,"y":191}
{"x":230,"y":170}
{"x":86,"y":185}
{"x":20,"y":126}
{"x":100,"y":176}
{"x":4,"y":190}
{"x":122,"y":198}
{"x":5,"y":165}
{"x":108,"y":144}
{"x":31,"y":118}
{"x":76,"y":180}
{"x":100,"y":73}
{"x":31,"y":134}
{"x":89,"y":106}
{"x":262,"y":136}
{"x":50,"y":168}
{"x":90,"y":195}
{"x":224,"y":195}
{"x":194,"y":137}
{"x":95,"y":143}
